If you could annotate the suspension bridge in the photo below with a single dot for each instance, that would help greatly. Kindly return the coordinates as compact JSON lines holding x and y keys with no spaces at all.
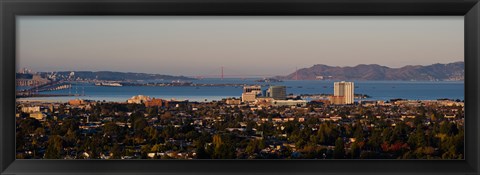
{"x":231,"y":73}
{"x":52,"y":86}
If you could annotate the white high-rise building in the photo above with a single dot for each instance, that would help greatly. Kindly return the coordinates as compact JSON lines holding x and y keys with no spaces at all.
{"x":250,"y":93}
{"x":345,"y":90}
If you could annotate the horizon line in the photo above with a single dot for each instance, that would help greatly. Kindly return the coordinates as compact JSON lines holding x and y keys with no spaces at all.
{"x":266,"y":75}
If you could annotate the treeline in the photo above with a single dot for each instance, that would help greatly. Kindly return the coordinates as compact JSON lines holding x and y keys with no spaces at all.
{"x":159,"y":130}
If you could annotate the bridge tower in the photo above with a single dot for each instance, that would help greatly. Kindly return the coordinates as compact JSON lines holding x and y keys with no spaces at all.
{"x":296,"y":73}
{"x":222,"y":72}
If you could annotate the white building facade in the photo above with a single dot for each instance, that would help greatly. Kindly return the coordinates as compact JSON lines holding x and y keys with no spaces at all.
{"x":345,"y":90}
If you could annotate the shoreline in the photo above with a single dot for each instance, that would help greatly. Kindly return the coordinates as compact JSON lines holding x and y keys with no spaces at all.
{"x":199,"y":100}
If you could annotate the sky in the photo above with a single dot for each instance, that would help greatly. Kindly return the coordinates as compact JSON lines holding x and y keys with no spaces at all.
{"x":248,"y":45}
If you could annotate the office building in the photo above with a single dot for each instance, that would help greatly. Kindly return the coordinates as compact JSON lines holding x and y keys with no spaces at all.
{"x":33,"y":80}
{"x":76,"y":102}
{"x":233,"y":101}
{"x":338,"y":100}
{"x":30,"y":109}
{"x":254,"y":89}
{"x":139,"y":99}
{"x":250,"y":93}
{"x":38,"y":115}
{"x":154,"y":102}
{"x":343,"y":90}
{"x":277,"y":92}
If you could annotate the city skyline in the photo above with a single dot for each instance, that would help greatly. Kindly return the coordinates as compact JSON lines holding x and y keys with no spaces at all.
{"x":201,"y":45}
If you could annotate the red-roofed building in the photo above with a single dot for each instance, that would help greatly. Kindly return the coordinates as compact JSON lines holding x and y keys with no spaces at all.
{"x":154,"y":103}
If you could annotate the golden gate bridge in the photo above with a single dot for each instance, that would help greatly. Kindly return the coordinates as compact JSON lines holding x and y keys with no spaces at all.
{"x":232,"y":74}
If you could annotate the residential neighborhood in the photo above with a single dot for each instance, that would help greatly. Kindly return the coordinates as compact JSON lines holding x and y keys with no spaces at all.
{"x":149,"y":128}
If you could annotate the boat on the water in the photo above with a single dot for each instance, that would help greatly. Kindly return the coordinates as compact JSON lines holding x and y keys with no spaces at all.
{"x":108,"y":84}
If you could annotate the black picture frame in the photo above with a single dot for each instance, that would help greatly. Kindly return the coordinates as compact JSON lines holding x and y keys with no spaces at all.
{"x":9,"y":9}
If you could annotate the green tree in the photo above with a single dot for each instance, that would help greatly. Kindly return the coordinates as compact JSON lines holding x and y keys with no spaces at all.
{"x":54,"y":148}
{"x":201,"y":151}
{"x":71,"y":138}
{"x":116,"y":151}
{"x":111,"y":129}
{"x":339,"y":152}
{"x":354,"y":150}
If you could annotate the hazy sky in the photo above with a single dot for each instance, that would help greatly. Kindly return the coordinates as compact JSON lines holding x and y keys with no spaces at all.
{"x":242,"y":45}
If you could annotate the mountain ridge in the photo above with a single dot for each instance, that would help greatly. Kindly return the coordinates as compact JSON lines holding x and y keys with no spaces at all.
{"x":435,"y":72}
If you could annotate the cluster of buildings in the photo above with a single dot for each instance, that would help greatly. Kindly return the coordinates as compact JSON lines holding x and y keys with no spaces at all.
{"x":273,"y":96}
{"x":154,"y":102}
{"x":139,"y":99}
{"x":277,"y":95}
{"x":246,"y":120}
{"x":251,"y":93}
{"x":36,"y":111}
{"x":27,"y":77}
{"x":31,"y":80}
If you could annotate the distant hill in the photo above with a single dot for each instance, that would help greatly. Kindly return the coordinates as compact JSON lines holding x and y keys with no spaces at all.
{"x":120,"y":76}
{"x":435,"y":72}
